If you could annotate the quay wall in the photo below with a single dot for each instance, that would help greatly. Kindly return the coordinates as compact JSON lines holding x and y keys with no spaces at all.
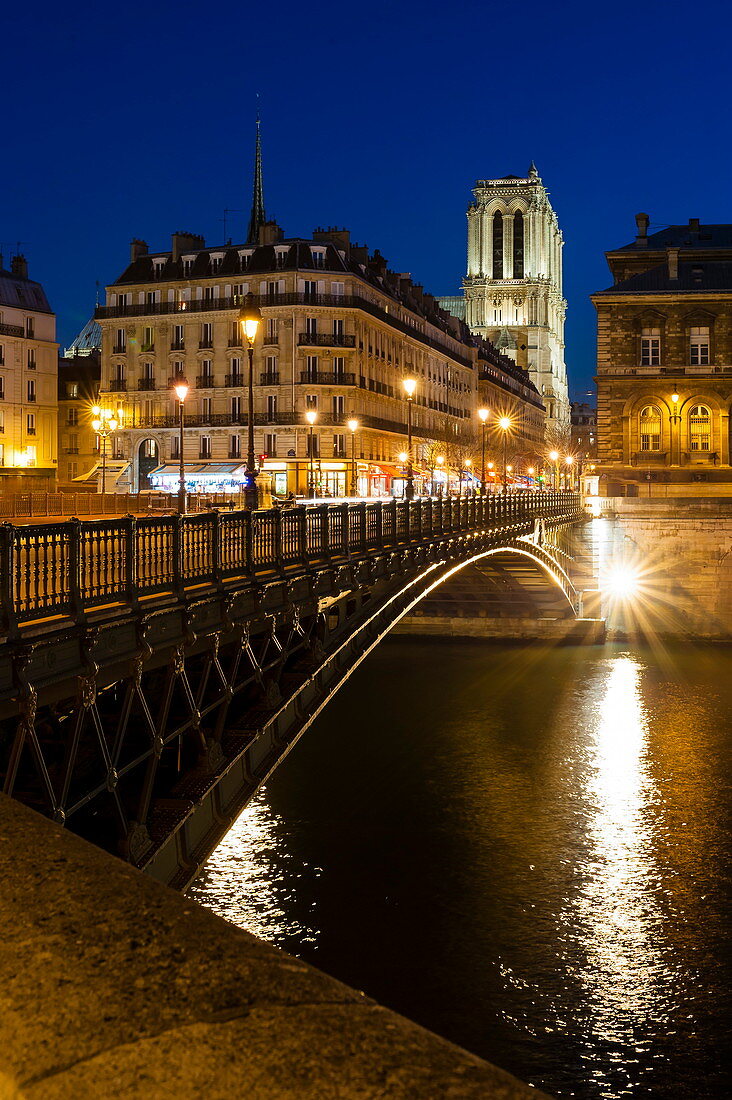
{"x":113,"y":985}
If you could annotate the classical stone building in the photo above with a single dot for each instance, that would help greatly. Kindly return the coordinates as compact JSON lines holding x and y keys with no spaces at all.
{"x":79,"y":377}
{"x":664,"y":363}
{"x":340,"y":333}
{"x":28,"y":408}
{"x":512,"y":294}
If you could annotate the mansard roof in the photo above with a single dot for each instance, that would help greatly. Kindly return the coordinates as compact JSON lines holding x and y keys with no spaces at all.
{"x":694,"y":277}
{"x":22,"y":293}
{"x":694,"y":236}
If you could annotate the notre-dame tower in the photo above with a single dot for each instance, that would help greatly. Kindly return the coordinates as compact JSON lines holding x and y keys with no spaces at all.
{"x":512,"y":293}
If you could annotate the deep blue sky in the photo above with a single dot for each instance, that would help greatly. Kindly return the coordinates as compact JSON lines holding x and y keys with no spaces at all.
{"x":136,"y":119}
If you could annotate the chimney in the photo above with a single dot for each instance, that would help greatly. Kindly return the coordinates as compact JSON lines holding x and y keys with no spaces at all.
{"x":185,"y":242}
{"x":19,"y":266}
{"x":269,"y":233}
{"x":642,"y":221}
{"x":694,"y":225}
{"x":673,"y":262}
{"x":137,"y":249}
{"x":359,"y":254}
{"x":377,"y":263}
{"x":341,"y":238}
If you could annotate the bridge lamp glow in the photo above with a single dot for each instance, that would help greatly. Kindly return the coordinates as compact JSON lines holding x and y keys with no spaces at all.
{"x":505,"y":423}
{"x":621,"y":581}
{"x":410,"y":385}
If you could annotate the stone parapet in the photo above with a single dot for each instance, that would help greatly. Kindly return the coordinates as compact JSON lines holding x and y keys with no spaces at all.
{"x":114,"y":986}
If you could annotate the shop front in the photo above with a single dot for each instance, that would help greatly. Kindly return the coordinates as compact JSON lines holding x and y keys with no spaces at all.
{"x":200,"y":477}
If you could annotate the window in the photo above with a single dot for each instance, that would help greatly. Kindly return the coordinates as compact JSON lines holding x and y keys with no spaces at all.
{"x":313,"y":450}
{"x":518,"y":247}
{"x":72,"y":417}
{"x":699,"y":347}
{"x":498,"y":245}
{"x":700,"y":428}
{"x":650,"y":347}
{"x":650,"y":428}
{"x":311,"y":401}
{"x":234,"y":446}
{"x":30,"y":327}
{"x":178,"y":337}
{"x":311,"y":325}
{"x":208,"y":294}
{"x":148,"y":371}
{"x":2,"y":422}
{"x":148,"y":339}
{"x":339,"y":407}
{"x":270,"y":362}
{"x":2,"y":355}
{"x":235,"y":408}
{"x":318,"y":257}
{"x":206,"y":406}
{"x":151,"y":298}
{"x":270,"y":444}
{"x":187,"y":267}
{"x":337,"y":289}
{"x":73,"y":470}
{"x":175,"y":447}
{"x":215,"y":264}
{"x":339,"y":445}
{"x":205,"y":451}
{"x":120,"y":340}
{"x":31,"y":358}
{"x":72,"y":391}
{"x":337,"y":326}
{"x":206,"y":335}
{"x":31,"y":453}
{"x":281,"y":256}
{"x":271,"y":330}
{"x":73,"y":447}
{"x":30,"y":423}
{"x":235,"y":337}
{"x":2,"y":387}
{"x":271,"y":406}
{"x":31,"y":389}
{"x":339,"y":366}
{"x":312,"y":361}
{"x":311,"y":289}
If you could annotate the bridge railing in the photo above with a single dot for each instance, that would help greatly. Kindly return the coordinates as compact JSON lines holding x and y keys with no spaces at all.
{"x":62,"y":569}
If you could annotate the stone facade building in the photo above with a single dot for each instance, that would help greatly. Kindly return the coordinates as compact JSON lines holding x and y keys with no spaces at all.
{"x":512,"y":293}
{"x":28,"y":406}
{"x":664,"y":363}
{"x":79,"y":377}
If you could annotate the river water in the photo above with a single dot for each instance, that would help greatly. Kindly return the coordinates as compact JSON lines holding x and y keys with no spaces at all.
{"x":525,"y":849}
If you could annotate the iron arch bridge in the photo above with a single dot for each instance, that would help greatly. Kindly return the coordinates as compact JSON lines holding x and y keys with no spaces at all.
{"x":156,"y":670}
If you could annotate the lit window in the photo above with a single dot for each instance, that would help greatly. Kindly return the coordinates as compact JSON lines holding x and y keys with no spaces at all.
{"x":700,"y":428}
{"x":650,"y":428}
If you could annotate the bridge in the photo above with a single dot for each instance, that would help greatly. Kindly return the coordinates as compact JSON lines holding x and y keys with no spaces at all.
{"x":156,"y":670}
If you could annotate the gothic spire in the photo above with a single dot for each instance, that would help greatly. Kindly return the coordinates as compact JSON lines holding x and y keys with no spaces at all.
{"x":257,"y":216}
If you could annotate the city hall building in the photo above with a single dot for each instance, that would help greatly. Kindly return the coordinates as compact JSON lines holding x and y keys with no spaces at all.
{"x":664,"y":363}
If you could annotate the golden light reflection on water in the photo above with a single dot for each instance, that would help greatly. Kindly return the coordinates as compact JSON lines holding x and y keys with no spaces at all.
{"x":242,"y":880}
{"x":618,"y":918}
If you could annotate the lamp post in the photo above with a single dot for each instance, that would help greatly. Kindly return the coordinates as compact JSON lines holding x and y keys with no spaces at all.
{"x":104,"y":423}
{"x":250,"y":318}
{"x":311,"y":416}
{"x":410,"y":385}
{"x":440,"y":460}
{"x":569,"y":461}
{"x":554,"y":458}
{"x":483,"y":414}
{"x":403,"y":457}
{"x":675,"y":419}
{"x":505,"y":423}
{"x":180,"y":385}
{"x":353,"y":426}
{"x":468,"y":463}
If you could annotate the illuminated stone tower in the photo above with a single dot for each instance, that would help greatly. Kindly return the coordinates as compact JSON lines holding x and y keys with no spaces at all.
{"x":513,"y":288}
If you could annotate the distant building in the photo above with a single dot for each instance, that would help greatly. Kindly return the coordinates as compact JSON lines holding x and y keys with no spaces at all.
{"x":340,"y":333}
{"x":79,"y":375}
{"x":28,"y":370}
{"x":512,"y":293}
{"x":584,"y":431}
{"x":664,"y":363}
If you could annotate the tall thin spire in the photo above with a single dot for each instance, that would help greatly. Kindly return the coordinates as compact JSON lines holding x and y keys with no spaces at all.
{"x":258,"y":216}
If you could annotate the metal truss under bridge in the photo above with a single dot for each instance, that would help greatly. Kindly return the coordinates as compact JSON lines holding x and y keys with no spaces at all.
{"x":156,"y":670}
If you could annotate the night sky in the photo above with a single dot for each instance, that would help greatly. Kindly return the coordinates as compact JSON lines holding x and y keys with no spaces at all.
{"x":134,"y":120}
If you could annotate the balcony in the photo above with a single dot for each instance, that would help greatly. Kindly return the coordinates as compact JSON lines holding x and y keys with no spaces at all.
{"x":119,"y":349}
{"x":147,"y":346}
{"x":327,"y":378}
{"x":270,"y":341}
{"x":30,"y":431}
{"x":146,"y":384}
{"x":203,"y":344}
{"x":234,"y":380}
{"x":32,"y":398}
{"x":118,"y":385}
{"x":31,"y":364}
{"x":270,"y":378}
{"x":71,"y":450}
{"x":11,"y":330}
{"x":326,"y":340}
{"x":177,"y":345}
{"x":235,"y":342}
{"x":205,"y":382}
{"x":204,"y":455}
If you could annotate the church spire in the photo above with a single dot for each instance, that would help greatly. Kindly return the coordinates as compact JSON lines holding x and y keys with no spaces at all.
{"x":257,"y":216}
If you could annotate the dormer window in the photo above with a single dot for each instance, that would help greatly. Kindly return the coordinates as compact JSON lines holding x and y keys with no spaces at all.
{"x":244,"y":258}
{"x":216,"y":262}
{"x":187,"y":265}
{"x":281,"y":256}
{"x":318,"y":255}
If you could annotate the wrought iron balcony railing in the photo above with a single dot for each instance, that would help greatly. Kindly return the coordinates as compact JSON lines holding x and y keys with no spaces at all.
{"x":146,"y":384}
{"x":326,"y":340}
{"x":205,"y":382}
{"x":234,"y":380}
{"x":118,"y":385}
{"x":11,"y":330}
{"x":269,"y":378}
{"x":327,"y":378}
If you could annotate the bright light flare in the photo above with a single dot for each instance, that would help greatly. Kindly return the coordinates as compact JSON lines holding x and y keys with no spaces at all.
{"x":621,"y":581}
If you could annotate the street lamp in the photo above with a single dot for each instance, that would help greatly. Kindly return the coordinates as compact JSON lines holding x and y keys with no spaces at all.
{"x":353,"y":426}
{"x":505,"y":423}
{"x":440,"y":460}
{"x":104,"y":423}
{"x":180,"y":385}
{"x":250,"y":318}
{"x":483,"y":414}
{"x":554,"y":457}
{"x":468,"y":463}
{"x":569,"y":460}
{"x":311,"y":416}
{"x":410,"y":385}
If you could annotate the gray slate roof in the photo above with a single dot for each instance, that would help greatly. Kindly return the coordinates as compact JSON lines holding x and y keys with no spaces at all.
{"x":703,"y":276}
{"x":22,"y":293}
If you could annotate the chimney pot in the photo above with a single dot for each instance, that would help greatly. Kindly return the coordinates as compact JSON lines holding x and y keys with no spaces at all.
{"x":19,"y":266}
{"x":642,"y":221}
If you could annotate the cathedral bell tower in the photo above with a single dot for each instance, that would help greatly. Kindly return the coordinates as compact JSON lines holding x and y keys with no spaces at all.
{"x":513,"y":288}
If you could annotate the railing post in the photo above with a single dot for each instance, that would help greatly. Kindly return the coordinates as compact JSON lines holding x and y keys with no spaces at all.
{"x":7,"y":579}
{"x":75,"y":579}
{"x":345,"y":530}
{"x":216,"y":548}
{"x":379,"y":518}
{"x":178,"y":582}
{"x":130,"y":536}
{"x":363,"y":540}
{"x":249,"y":543}
{"x":325,"y":529}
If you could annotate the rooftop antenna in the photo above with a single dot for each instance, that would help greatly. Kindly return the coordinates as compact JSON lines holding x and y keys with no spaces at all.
{"x":229,"y":210}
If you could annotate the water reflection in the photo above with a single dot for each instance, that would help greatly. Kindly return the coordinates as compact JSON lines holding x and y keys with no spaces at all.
{"x":252,"y":877}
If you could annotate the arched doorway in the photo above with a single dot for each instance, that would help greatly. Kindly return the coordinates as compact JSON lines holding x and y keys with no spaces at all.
{"x":147,"y":460}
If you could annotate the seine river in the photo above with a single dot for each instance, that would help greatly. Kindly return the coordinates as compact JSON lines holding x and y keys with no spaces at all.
{"x":525,"y":849}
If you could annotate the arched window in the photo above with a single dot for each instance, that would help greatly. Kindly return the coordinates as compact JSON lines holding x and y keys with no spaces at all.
{"x":700,"y":428}
{"x":650,"y":428}
{"x":498,"y":245}
{"x":518,"y":245}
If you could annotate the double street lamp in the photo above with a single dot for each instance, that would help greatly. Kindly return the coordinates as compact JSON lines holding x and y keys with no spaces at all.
{"x":410,"y":385}
{"x":353,"y":428}
{"x":105,"y":422}
{"x":180,"y":385}
{"x":250,"y":318}
{"x":311,"y":416}
{"x":483,"y":414}
{"x":505,"y":424}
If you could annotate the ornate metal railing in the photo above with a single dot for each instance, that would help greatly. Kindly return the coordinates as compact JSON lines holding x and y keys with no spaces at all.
{"x":65,"y":569}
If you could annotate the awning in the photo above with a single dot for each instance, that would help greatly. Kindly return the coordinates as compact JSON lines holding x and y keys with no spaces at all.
{"x":198,"y":469}
{"x":113,"y":472}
